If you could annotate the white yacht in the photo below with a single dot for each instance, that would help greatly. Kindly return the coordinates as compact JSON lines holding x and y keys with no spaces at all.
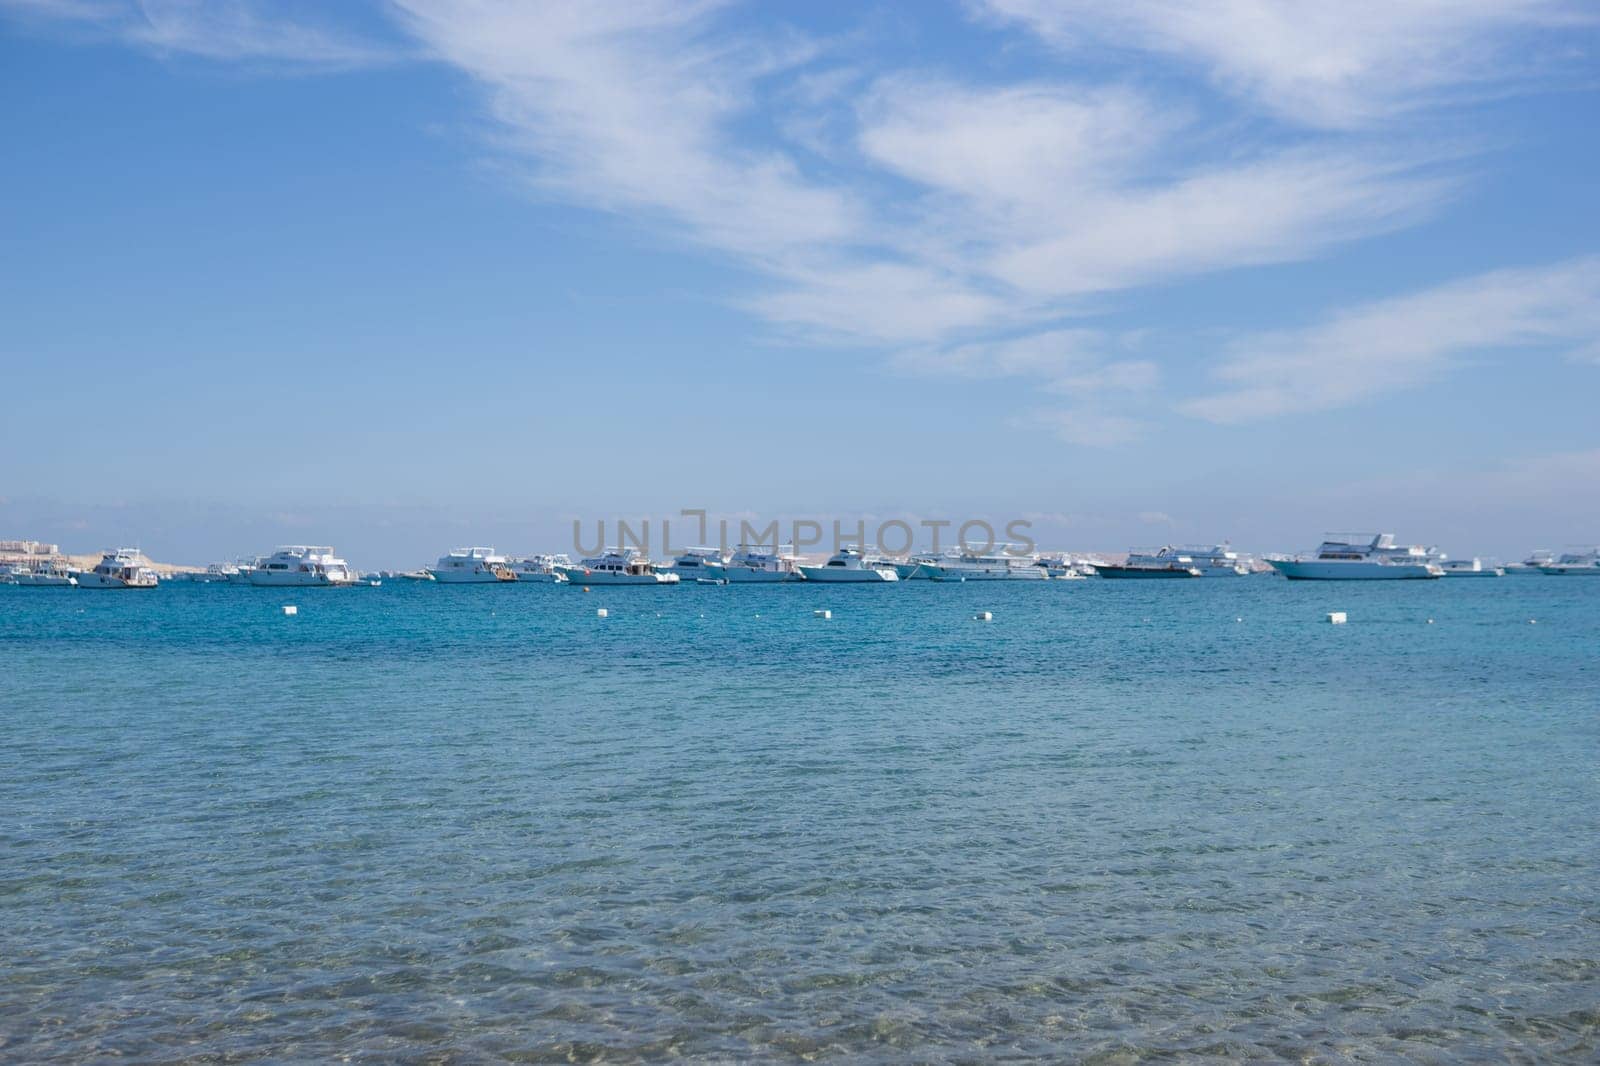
{"x":930,"y":566}
{"x":997,"y":565}
{"x":471,"y":566}
{"x":618,"y":566}
{"x":124,"y":568}
{"x":1537,"y":558}
{"x":215,"y":574}
{"x":1147,"y":565}
{"x":758,"y":564}
{"x":703,"y":565}
{"x":242,"y":568}
{"x":1359,"y":557}
{"x":302,"y":566}
{"x":541,"y":568}
{"x":909,"y":568}
{"x":1059,"y":568}
{"x":1212,"y":560}
{"x":1575,"y":564}
{"x":38,"y":575}
{"x":849,"y":566}
{"x":1470,"y":568}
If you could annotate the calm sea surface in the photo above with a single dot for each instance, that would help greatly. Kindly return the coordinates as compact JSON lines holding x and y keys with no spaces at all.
{"x":1121,"y":821}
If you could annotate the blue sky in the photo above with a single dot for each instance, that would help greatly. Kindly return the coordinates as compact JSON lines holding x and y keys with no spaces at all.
{"x":404,"y":275}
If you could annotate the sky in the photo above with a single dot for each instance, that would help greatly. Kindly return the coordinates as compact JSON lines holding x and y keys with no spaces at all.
{"x":401,"y":276}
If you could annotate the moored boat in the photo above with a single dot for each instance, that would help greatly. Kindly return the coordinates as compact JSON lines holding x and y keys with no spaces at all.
{"x":1584,"y":563}
{"x":302,"y":566}
{"x":759,"y":564}
{"x":124,"y":568}
{"x":849,"y":566}
{"x":1470,"y":568}
{"x":38,"y":575}
{"x":540,"y":568}
{"x":994,"y":565}
{"x":704,"y":566}
{"x":618,"y":566}
{"x":1536,"y":558}
{"x":471,"y":566}
{"x":1359,"y":557}
{"x":1176,"y":567}
{"x":1212,"y":560}
{"x":1060,"y":568}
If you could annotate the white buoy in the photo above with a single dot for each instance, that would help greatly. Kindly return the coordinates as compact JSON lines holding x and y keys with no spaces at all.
{"x":601,"y":613}
{"x":822,"y":614}
{"x":1238,"y":619}
{"x":983,"y":616}
{"x":1430,"y":621}
{"x":1337,"y":618}
{"x":290,"y":608}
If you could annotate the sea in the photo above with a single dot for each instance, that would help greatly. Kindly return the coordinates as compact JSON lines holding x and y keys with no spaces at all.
{"x":1117,"y":822}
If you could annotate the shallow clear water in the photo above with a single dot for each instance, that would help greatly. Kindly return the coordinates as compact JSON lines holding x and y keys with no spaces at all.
{"x":1122,"y":820}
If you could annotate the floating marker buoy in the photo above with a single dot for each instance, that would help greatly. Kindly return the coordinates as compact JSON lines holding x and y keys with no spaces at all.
{"x":1238,"y":619}
{"x":601,"y":613}
{"x":290,"y":608}
{"x":586,"y":588}
{"x":1430,"y":621}
{"x":822,"y":614}
{"x":983,"y":616}
{"x":1533,"y":621}
{"x":1336,"y":618}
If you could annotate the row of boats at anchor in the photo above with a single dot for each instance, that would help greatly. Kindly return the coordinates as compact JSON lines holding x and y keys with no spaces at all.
{"x":1340,"y":557}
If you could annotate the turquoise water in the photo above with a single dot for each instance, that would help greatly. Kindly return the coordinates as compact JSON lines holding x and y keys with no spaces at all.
{"x":1122,"y":820}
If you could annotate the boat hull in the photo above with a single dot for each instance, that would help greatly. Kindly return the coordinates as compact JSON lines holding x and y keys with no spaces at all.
{"x":1146,"y":572}
{"x":1570,"y":570}
{"x":470,"y":577}
{"x":839,"y":575}
{"x":995,"y":573}
{"x":41,"y":581}
{"x":293,"y":580}
{"x":90,"y":580}
{"x":595,"y":578}
{"x":1316,"y":570}
{"x":710,"y":573}
{"x":749,"y":575}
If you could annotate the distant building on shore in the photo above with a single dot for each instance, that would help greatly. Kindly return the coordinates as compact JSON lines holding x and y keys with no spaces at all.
{"x":28,"y":547}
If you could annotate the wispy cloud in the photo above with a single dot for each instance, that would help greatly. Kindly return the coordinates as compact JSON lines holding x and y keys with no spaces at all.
{"x":1405,"y":342}
{"x":967,"y":210}
{"x":1340,"y":64}
{"x":290,"y":35}
{"x":1083,"y":425}
{"x":959,"y":223}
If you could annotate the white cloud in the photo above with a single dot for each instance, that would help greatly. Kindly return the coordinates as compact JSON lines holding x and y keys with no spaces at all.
{"x":300,"y":36}
{"x":1050,"y":354}
{"x":1083,"y":426}
{"x":630,"y":109}
{"x":1023,"y":199}
{"x":1338,"y":64}
{"x":960,"y":222}
{"x":1404,"y":342}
